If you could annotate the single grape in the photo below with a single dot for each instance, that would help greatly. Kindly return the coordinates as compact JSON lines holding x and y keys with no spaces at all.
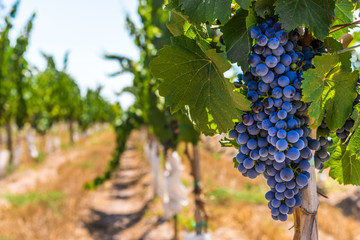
{"x":242,"y":138}
{"x":293,"y":153}
{"x":290,"y":202}
{"x":282,"y":114}
{"x":279,"y":68}
{"x":254,"y":60}
{"x":255,"y":32}
{"x":279,"y":157}
{"x":277,"y":92}
{"x":285,"y":59}
{"x":273,"y":43}
{"x":292,"y":135}
{"x":286,"y":174}
{"x":249,"y":163}
{"x":281,"y":145}
{"x":261,"y":69}
{"x":301,"y":180}
{"x":261,"y":40}
{"x":269,"y":77}
{"x":252,"y":96}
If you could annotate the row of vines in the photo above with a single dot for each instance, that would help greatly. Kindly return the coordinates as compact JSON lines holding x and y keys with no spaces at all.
{"x":36,"y":99}
{"x":293,"y":107}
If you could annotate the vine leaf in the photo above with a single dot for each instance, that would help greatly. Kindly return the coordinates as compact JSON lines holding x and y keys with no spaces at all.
{"x":311,"y":13}
{"x":356,"y":117}
{"x":335,"y":164}
{"x":344,"y":10}
{"x":245,"y":4}
{"x":251,"y":19}
{"x":333,"y":46}
{"x":263,"y":7}
{"x":236,"y":39}
{"x":195,"y":78}
{"x":331,"y":89}
{"x":345,"y":161}
{"x":178,"y":25}
{"x":200,"y":11}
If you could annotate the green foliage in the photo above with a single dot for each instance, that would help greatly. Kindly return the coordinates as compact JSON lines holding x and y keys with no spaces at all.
{"x":314,"y":14}
{"x":344,"y":11}
{"x":187,"y":66}
{"x":236,"y":39}
{"x":200,"y":11}
{"x":123,"y":128}
{"x":245,"y":4}
{"x":345,"y":161}
{"x":95,"y":109}
{"x":264,"y":7}
{"x":52,"y":199}
{"x":250,"y":194}
{"x":13,"y":68}
{"x":331,"y":89}
{"x":201,"y":85}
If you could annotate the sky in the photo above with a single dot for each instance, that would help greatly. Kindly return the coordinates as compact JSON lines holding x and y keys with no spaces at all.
{"x":86,"y":28}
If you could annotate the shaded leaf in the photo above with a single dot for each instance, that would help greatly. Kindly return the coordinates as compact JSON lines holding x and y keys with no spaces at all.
{"x":245,"y":4}
{"x":263,"y":7}
{"x":329,"y":88}
{"x":200,"y":11}
{"x":195,"y":78}
{"x":344,"y":10}
{"x":311,"y":13}
{"x":236,"y":39}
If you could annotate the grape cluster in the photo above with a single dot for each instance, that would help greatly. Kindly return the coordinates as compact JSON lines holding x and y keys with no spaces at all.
{"x":274,"y":136}
{"x":344,"y":132}
{"x":321,"y":154}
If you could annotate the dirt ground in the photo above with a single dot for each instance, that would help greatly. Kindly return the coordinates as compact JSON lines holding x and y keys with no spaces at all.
{"x":49,"y":202}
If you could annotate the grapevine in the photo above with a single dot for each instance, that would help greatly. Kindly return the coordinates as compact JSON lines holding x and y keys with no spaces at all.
{"x":295,"y":99}
{"x":274,"y":136}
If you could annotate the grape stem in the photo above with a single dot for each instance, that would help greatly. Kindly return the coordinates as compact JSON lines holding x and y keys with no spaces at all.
{"x":240,"y":85}
{"x":348,"y":49}
{"x":341,"y":26}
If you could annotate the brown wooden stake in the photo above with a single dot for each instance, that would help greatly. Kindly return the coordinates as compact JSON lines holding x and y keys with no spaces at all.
{"x":9,"y":143}
{"x":305,"y":217}
{"x":200,"y":214}
{"x":71,"y":131}
{"x":176,"y":234}
{"x":197,"y":189}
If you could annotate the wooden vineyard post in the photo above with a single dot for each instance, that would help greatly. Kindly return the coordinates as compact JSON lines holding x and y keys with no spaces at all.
{"x":200,"y":213}
{"x":197,"y":188}
{"x":305,"y":217}
{"x":176,"y":232}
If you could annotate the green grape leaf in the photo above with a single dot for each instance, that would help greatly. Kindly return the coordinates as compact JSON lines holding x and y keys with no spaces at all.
{"x":330,"y":89}
{"x":335,"y":163}
{"x":227,"y":142}
{"x":333,"y":46}
{"x":187,"y":131}
{"x":344,"y":10}
{"x":236,"y":39}
{"x":178,"y":25}
{"x":351,"y":168}
{"x":236,"y":164}
{"x":195,"y":78}
{"x":171,"y":5}
{"x":245,"y":4}
{"x":313,"y":86}
{"x":200,"y":11}
{"x":345,"y":160}
{"x":356,"y":117}
{"x":263,"y":7}
{"x":315,"y":14}
{"x":339,"y":98}
{"x":251,"y":19}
